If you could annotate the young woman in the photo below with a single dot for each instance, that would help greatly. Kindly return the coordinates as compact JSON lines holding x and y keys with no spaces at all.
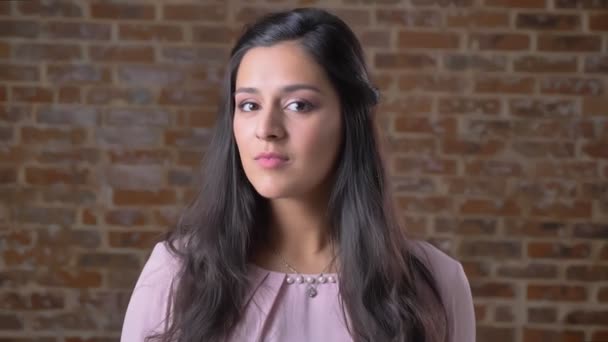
{"x":293,"y":235}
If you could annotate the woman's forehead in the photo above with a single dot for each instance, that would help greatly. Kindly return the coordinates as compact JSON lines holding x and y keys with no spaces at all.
{"x":277,"y":66}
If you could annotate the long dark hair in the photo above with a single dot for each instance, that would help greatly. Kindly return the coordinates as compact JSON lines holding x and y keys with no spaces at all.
{"x":387,"y":292}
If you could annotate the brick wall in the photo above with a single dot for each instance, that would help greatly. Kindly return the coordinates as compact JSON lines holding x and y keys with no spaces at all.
{"x":495,"y":112}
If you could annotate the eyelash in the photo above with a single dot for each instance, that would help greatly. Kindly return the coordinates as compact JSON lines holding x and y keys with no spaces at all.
{"x":308,"y":106}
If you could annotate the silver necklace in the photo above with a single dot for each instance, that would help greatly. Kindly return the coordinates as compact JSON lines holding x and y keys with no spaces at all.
{"x":311,"y":282}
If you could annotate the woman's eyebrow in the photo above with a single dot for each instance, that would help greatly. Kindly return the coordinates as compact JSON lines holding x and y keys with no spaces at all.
{"x":286,"y":89}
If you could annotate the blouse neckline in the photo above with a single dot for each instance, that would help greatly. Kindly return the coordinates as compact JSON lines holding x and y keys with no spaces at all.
{"x":283,"y":274}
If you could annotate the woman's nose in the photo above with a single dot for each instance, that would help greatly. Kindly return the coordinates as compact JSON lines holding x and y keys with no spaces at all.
{"x":269,"y":124}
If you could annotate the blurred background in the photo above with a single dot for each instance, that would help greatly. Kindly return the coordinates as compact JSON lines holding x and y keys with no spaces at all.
{"x":494,"y":113}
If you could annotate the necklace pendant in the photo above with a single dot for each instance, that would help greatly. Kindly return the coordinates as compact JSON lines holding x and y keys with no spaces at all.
{"x":311,"y":292}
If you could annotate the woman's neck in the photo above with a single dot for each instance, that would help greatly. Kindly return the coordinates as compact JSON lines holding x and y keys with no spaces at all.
{"x":299,"y":234}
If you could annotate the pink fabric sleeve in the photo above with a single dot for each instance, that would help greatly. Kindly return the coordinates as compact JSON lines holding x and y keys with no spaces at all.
{"x":147,"y":309}
{"x":460,"y":309}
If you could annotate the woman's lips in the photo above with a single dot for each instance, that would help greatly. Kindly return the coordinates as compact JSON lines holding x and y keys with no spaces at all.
{"x":271,"y":162}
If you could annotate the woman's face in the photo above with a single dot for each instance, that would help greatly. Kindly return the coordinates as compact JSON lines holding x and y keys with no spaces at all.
{"x":285,"y":105}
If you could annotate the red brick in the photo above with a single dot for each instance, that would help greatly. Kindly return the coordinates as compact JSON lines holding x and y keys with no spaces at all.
{"x":436,"y":204}
{"x":399,"y":61}
{"x":559,"y":293}
{"x":78,"y":74}
{"x":505,"y":85}
{"x":476,"y":269}
{"x":432,"y":83}
{"x":601,"y":335}
{"x":517,"y":3}
{"x":500,"y":41}
{"x":535,"y":228}
{"x":476,"y":187}
{"x":472,"y":226}
{"x":55,"y":8}
{"x":425,"y":166}
{"x":559,"y":250}
{"x":536,"y":21}
{"x":16,"y":72}
{"x":5,"y":8}
{"x":201,"y":118}
{"x":5,"y":50}
{"x":32,"y":301}
{"x":375,"y":38}
{"x":470,"y":147}
{"x":353,"y":17}
{"x":219,"y":34}
{"x":542,"y":315}
{"x":147,"y":32}
{"x":47,"y":52}
{"x":488,"y":248}
{"x":595,"y":106}
{"x":533,"y":270}
{"x":569,"y":43}
{"x":590,"y":273}
{"x":35,"y":135}
{"x":468,"y":62}
{"x":478,"y":19}
{"x":539,"y":64}
{"x":187,"y":138}
{"x":105,"y":10}
{"x":123,"y":53}
{"x":88,"y":217}
{"x":143,"y":240}
{"x":587,"y":317}
{"x":495,"y":334}
{"x":192,"y":12}
{"x":504,"y":313}
{"x":408,"y":105}
{"x":543,"y":108}
{"x":408,"y":18}
{"x":19,"y":29}
{"x":10,"y":321}
{"x":468,"y":105}
{"x":429,"y":40}
{"x":480,"y":311}
{"x":143,"y":197}
{"x":563,"y":210}
{"x":598,"y":22}
{"x":140,"y":156}
{"x":32,"y":94}
{"x":493,"y":168}
{"x":567,"y":170}
{"x":443,"y":3}
{"x":189,"y":97}
{"x":490,"y":207}
{"x":48,"y":176}
{"x":102,"y":260}
{"x":71,"y":278}
{"x":596,"y":149}
{"x":78,"y":30}
{"x":583,"y":4}
{"x":492,"y":289}
{"x":538,"y":334}
{"x":572,"y":86}
{"x":534,"y":149}
{"x":69,"y":95}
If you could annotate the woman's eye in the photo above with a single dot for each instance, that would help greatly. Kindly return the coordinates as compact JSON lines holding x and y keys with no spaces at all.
{"x":299,"y":106}
{"x":248,"y":106}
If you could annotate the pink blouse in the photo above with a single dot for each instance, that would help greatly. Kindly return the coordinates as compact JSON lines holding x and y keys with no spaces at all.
{"x":278,"y":310}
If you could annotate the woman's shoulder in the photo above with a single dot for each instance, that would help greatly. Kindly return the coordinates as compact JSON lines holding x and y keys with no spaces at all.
{"x":162,"y":264}
{"x":453,"y":287}
{"x":148,"y":306}
{"x":439,"y":262}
